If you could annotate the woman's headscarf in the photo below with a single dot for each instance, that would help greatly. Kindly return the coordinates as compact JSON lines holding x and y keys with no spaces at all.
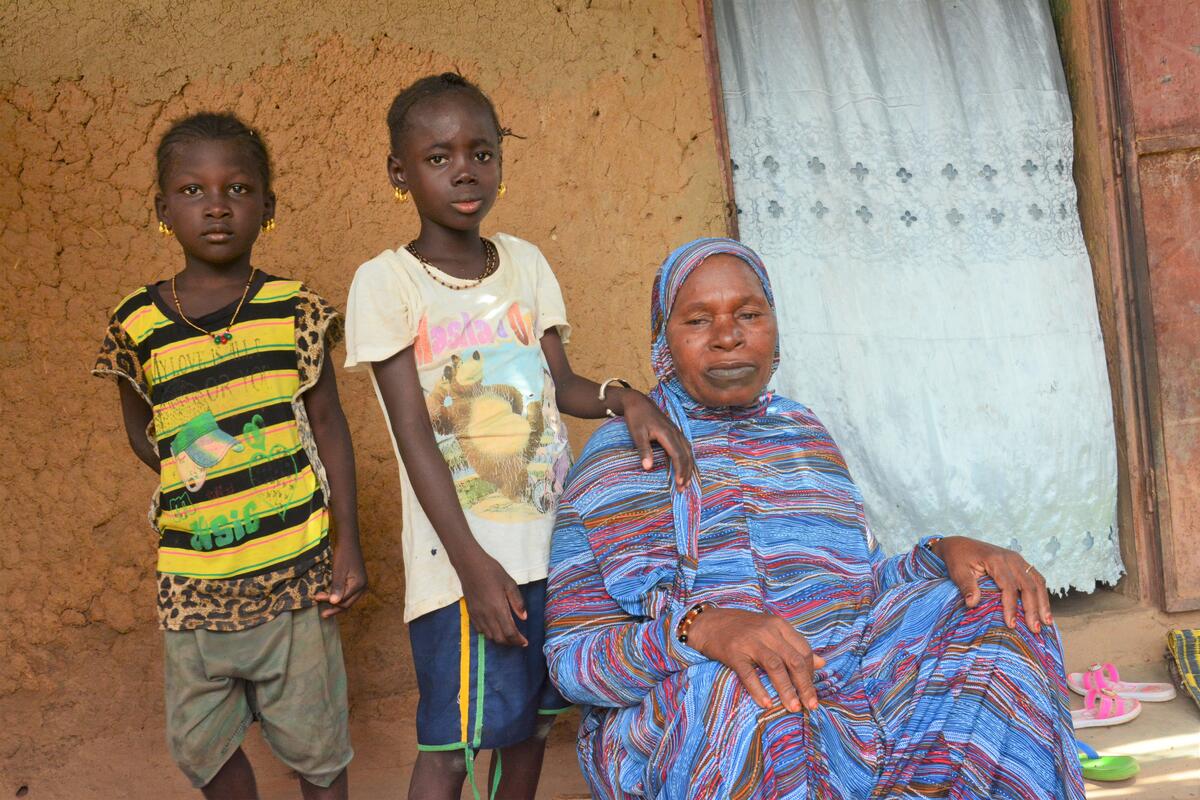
{"x":670,"y":394}
{"x":670,"y":279}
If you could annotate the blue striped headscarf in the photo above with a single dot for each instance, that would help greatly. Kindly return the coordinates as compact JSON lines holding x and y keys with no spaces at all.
{"x":670,"y":395}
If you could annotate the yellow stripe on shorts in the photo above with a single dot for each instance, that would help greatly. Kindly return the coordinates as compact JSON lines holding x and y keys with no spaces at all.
{"x":464,"y":666}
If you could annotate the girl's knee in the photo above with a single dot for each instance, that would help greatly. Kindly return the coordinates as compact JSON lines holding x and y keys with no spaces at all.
{"x":451,"y":763}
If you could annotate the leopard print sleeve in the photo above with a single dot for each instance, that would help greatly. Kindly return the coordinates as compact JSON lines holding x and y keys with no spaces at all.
{"x":319,"y":328}
{"x":118,"y":358}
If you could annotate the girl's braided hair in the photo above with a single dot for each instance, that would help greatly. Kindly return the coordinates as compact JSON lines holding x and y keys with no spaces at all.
{"x":432,"y":86}
{"x":208,"y":127}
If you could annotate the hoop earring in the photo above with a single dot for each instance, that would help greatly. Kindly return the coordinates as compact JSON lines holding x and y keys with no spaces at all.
{"x":163,"y":229}
{"x":401,"y":197}
{"x":269,"y":225}
{"x":500,"y":192}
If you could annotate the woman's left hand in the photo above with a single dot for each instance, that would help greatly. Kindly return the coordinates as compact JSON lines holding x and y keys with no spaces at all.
{"x":648,"y":424}
{"x":967,"y":560}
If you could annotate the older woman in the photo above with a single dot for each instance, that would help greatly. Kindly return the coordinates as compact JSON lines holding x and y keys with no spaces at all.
{"x":746,"y":638}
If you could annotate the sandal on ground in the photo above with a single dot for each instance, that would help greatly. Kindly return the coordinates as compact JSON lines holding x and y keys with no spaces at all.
{"x":1103,"y":708}
{"x":1105,"y":768}
{"x":1105,"y":676}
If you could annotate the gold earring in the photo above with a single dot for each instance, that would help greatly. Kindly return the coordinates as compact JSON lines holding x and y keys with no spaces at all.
{"x":500,"y":192}
{"x":269,"y":225}
{"x":163,"y":229}
{"x":401,"y":197}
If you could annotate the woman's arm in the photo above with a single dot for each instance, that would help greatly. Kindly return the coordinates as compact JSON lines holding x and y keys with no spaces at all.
{"x":492,"y":595}
{"x":580,"y":397}
{"x":966,"y":561}
{"x":597,"y":653}
{"x":919,"y":564}
{"x":601,"y":656}
{"x":332,"y":436}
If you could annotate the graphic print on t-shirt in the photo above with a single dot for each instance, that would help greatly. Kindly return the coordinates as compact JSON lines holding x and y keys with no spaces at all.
{"x":199,"y":446}
{"x":502,"y":443}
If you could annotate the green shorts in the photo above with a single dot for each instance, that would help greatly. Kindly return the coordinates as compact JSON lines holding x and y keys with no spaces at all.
{"x":287,"y":673}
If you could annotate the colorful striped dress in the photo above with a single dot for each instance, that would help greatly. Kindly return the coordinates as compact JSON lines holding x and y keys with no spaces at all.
{"x":920,"y":696}
{"x":241,"y":509}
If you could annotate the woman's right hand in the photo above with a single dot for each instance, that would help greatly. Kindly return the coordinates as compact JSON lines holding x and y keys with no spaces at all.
{"x":493,"y":597}
{"x":746,"y":641}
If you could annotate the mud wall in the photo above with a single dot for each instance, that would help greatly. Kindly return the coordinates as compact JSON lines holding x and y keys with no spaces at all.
{"x":618,"y":164}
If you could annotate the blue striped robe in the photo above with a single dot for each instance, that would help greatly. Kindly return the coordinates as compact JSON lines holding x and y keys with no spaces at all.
{"x":920,"y":697}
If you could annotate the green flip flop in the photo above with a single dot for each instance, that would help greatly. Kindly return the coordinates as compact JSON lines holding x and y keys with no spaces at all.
{"x":1105,"y":768}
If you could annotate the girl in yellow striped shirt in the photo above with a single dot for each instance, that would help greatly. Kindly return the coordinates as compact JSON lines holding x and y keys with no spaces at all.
{"x":227,"y":394}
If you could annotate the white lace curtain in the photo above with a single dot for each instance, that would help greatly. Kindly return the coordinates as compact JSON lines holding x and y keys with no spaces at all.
{"x":904,"y":168}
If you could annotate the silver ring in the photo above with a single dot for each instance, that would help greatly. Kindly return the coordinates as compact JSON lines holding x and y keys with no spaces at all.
{"x":1029,"y":569}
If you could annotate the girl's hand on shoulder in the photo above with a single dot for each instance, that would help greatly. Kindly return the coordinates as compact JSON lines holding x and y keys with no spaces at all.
{"x":349,"y":579}
{"x":748,"y":641}
{"x":648,"y":424}
{"x":967,"y":560}
{"x":493,"y":597}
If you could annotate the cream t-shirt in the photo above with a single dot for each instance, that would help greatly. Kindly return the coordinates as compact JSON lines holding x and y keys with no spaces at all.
{"x":490,"y":398}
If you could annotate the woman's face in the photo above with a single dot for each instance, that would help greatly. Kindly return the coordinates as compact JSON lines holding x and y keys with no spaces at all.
{"x":722,"y":333}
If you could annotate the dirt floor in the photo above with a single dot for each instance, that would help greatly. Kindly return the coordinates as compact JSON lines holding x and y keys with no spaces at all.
{"x":1106,"y":626}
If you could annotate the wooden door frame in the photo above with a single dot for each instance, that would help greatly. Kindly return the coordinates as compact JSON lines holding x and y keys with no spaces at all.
{"x":712,"y":64}
{"x":1157,"y":542}
{"x":1118,"y":256}
{"x":1135,"y":334}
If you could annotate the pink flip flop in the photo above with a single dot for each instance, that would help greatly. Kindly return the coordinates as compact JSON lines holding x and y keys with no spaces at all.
{"x":1105,"y":676}
{"x":1105,"y":708}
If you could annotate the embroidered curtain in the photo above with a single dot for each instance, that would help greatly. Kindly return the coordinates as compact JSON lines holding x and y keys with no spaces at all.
{"x":904,"y":168}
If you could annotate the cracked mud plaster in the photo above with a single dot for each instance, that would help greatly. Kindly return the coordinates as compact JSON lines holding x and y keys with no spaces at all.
{"x":617,"y":165}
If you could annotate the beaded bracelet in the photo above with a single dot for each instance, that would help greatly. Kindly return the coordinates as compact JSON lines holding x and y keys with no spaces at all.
{"x":685,"y":624}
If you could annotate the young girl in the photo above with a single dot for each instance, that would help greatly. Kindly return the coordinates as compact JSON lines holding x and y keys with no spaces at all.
{"x":227,"y":395}
{"x":464,"y":336}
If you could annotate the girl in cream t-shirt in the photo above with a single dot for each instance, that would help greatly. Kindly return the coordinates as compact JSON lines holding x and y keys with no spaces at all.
{"x":490,"y":398}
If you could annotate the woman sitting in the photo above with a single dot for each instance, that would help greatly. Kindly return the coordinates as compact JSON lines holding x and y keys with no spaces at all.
{"x":746,"y":638}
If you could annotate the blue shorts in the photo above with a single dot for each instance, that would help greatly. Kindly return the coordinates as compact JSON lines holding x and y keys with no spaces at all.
{"x":476,"y":694}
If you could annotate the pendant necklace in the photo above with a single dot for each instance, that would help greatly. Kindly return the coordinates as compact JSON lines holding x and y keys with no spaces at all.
{"x":219,"y":336}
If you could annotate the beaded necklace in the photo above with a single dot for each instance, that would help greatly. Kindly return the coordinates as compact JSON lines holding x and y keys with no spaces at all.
{"x":491,"y":262}
{"x":217,"y":336}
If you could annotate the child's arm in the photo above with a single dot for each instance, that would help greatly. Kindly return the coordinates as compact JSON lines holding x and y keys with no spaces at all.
{"x":137,"y":416}
{"x":580,"y":397}
{"x":492,"y":595}
{"x":332,"y":436}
